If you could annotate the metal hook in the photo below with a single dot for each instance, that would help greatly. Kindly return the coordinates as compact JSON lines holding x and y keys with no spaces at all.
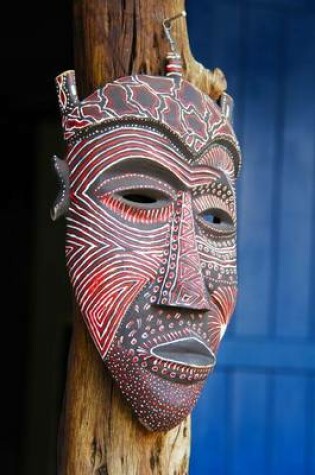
{"x":167,"y":25}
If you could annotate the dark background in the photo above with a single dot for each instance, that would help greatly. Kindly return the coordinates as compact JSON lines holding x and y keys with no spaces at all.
{"x":36,"y":44}
{"x":257,"y":413}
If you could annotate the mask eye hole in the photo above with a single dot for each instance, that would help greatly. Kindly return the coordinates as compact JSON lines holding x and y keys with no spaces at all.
{"x":139,"y":198}
{"x":144,"y":198}
{"x":212,"y":218}
{"x":217,"y":219}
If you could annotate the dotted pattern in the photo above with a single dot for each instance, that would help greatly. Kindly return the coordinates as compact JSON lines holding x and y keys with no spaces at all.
{"x":182,"y":285}
{"x":151,"y":397}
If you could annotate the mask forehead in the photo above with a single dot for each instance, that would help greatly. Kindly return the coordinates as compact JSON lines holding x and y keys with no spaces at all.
{"x":189,"y":115}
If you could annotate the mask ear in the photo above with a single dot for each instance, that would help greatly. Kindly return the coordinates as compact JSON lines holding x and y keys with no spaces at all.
{"x":61,"y":204}
{"x":227,"y":106}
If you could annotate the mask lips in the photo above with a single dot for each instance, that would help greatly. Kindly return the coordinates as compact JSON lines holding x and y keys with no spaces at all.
{"x":190,"y":351}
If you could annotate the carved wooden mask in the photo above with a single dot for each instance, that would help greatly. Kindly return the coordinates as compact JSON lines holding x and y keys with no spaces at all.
{"x":148,"y":192}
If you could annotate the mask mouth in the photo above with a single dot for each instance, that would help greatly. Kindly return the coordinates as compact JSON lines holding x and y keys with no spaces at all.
{"x":188,"y":351}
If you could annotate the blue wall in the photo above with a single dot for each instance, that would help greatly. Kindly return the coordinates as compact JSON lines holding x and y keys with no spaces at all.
{"x":257,"y":413}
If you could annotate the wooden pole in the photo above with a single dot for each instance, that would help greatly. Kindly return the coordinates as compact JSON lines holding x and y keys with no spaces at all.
{"x":98,"y":433}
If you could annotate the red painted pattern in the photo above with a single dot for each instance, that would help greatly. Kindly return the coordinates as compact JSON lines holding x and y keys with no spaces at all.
{"x":177,"y":104}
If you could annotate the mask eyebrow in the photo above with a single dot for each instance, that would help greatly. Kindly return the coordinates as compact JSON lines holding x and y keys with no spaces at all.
{"x":182,"y":175}
{"x":138,"y":150}
{"x":222,"y":154}
{"x":142,"y":168}
{"x":145,"y":151}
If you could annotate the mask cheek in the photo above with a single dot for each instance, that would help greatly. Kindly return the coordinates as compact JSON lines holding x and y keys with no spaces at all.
{"x":107,"y":275}
{"x":224,"y":300}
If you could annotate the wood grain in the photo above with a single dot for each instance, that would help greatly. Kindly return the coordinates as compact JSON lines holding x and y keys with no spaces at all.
{"x":114,"y":38}
{"x":98,"y":432}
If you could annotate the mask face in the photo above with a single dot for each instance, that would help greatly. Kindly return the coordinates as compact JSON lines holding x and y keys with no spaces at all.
{"x":151,"y":230}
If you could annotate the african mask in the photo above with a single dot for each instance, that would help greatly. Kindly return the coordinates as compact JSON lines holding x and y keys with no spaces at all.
{"x":148,"y":192}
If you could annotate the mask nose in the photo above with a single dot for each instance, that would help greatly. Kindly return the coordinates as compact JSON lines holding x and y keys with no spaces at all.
{"x":180,"y":282}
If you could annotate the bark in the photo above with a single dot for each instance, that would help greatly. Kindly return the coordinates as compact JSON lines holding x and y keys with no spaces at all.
{"x":118,"y":37}
{"x":98,"y":432}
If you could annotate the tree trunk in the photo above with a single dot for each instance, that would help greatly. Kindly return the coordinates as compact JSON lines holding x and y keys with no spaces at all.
{"x":98,"y":433}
